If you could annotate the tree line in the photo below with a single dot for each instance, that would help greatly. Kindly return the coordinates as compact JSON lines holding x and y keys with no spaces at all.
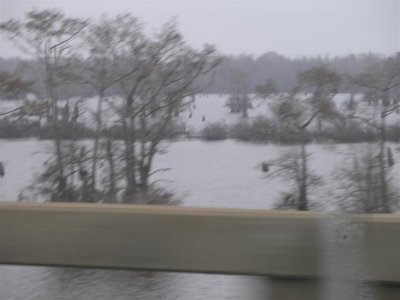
{"x":18,"y":75}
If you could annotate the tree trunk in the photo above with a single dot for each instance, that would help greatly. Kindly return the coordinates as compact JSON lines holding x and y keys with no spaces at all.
{"x":130,"y":156}
{"x":99,"y":124}
{"x":303,"y":197}
{"x":382,"y":166}
{"x":50,"y":87}
{"x":111,"y":194}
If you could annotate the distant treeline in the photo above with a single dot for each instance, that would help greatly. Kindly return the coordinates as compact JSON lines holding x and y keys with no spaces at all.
{"x":257,"y":69}
{"x":281,"y":69}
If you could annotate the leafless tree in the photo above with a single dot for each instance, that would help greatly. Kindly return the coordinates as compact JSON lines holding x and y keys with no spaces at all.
{"x":380,"y":80}
{"x":294,"y":116}
{"x":293,"y":168}
{"x":239,"y":100}
{"x":158,"y":78}
{"x":47,"y":35}
{"x":102,"y":42}
{"x":359,"y":188}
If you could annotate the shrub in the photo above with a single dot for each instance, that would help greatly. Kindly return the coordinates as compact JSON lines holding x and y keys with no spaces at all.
{"x":67,"y":131}
{"x":19,"y":128}
{"x":215,"y":131}
{"x":241,"y":131}
{"x":262,"y":129}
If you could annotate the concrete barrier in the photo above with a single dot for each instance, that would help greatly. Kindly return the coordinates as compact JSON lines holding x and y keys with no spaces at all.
{"x":281,"y":244}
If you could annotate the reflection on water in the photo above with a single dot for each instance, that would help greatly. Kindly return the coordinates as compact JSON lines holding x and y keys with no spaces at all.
{"x":44,"y":283}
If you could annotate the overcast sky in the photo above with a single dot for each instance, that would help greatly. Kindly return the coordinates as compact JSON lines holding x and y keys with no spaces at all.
{"x":289,"y":27}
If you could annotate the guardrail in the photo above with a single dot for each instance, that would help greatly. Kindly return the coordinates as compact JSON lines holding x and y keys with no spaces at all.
{"x":285,"y":246}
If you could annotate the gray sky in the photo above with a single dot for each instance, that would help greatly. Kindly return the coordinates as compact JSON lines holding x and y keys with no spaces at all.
{"x":289,"y":27}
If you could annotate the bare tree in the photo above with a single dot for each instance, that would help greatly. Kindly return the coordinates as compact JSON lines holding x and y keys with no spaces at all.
{"x":293,"y":167}
{"x":239,"y":100}
{"x":158,"y":85}
{"x":294,"y":116}
{"x":380,"y":80}
{"x":103,"y":41}
{"x":47,"y":35}
{"x":359,"y":183}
